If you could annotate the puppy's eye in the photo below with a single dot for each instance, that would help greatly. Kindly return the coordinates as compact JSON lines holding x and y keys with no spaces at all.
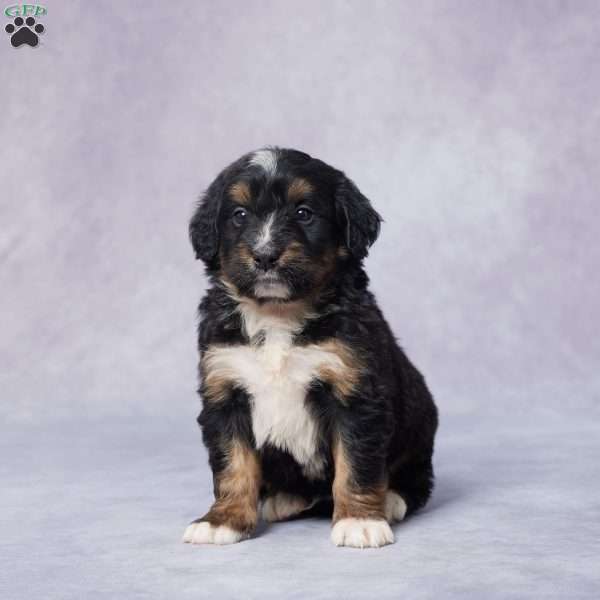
{"x":239,"y":216}
{"x":304,"y":214}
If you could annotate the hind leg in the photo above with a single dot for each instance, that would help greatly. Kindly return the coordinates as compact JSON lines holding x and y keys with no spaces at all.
{"x":281,"y":506}
{"x":410,"y":486}
{"x":395,"y":507}
{"x":286,"y":491}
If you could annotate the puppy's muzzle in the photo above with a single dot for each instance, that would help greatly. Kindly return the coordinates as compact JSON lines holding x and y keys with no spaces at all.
{"x":266,"y":260}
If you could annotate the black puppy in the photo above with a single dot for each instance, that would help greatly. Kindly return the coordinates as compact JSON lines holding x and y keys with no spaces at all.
{"x":306,"y":394}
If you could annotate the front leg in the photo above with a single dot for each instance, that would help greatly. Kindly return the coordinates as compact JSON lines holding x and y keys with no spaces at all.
{"x":359,"y":493}
{"x":234,"y":513}
{"x":237,"y":479}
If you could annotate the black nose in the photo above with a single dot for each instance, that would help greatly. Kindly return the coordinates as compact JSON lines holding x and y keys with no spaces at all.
{"x":265,"y":261}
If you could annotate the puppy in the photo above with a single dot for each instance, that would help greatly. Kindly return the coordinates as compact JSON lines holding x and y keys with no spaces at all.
{"x":306,"y":395}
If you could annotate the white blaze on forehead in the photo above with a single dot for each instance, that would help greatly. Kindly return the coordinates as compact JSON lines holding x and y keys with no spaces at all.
{"x":266,"y":159}
{"x":266,"y":233}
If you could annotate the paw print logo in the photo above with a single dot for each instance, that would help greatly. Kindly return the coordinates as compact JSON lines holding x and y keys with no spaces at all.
{"x":24,"y":32}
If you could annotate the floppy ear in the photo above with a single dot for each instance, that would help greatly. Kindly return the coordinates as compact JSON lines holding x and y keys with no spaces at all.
{"x":204,"y":232}
{"x":358,"y":220}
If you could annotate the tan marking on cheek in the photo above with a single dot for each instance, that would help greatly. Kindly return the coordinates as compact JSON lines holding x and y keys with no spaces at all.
{"x":328,"y":264}
{"x":240,"y":193}
{"x":237,"y":489}
{"x":342,"y":252}
{"x":320,"y":269}
{"x":245,"y":256}
{"x":299,"y":189}
{"x":323,"y":267}
{"x":349,"y":501}
{"x":294,"y":253}
{"x":240,"y":255}
{"x":344,"y":377}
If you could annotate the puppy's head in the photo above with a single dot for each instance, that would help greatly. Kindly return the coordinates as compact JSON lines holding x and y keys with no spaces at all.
{"x":277,"y":224}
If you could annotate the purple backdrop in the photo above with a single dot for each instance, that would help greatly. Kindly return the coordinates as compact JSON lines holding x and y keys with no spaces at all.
{"x":474,"y":128}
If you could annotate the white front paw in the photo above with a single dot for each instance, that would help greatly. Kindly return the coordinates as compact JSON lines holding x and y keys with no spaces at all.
{"x":205,"y":533}
{"x":362,"y":533}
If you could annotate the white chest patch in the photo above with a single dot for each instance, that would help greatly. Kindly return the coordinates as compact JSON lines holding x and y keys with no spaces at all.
{"x":276,"y":374}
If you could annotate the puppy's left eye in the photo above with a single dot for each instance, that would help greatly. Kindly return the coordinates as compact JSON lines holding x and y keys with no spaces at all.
{"x":239,"y":216}
{"x":304,"y":214}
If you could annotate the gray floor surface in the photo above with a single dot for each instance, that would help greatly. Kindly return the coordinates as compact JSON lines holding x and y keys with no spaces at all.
{"x":96,"y":510}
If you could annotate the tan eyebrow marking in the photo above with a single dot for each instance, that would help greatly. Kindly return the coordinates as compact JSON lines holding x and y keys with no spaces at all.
{"x":240,"y":192}
{"x":293,"y":252}
{"x":299,"y":189}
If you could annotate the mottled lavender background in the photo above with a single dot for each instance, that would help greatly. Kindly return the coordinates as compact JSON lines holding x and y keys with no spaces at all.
{"x":474,"y":127}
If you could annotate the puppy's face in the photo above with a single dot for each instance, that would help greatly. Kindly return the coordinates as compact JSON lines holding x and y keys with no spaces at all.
{"x":279,"y":238}
{"x":276,"y":225}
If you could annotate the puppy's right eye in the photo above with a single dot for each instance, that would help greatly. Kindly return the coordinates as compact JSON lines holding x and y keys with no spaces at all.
{"x":239,"y":216}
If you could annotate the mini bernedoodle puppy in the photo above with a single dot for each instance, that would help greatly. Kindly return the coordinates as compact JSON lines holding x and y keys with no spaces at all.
{"x":307,"y":397}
